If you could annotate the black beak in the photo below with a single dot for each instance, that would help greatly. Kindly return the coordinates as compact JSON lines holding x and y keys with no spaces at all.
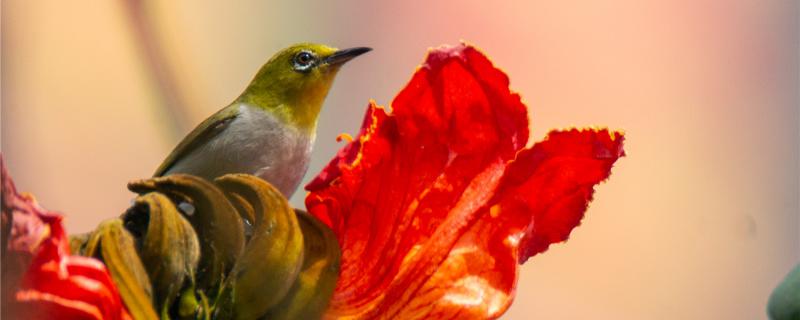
{"x":345,"y":55}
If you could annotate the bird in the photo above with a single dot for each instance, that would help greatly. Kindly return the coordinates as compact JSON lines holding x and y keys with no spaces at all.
{"x":269,"y":130}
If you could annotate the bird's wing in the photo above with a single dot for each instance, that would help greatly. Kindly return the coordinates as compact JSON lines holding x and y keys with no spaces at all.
{"x":203,"y":133}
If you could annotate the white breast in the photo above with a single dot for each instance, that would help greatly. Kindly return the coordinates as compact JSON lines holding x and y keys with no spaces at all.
{"x":257,"y":143}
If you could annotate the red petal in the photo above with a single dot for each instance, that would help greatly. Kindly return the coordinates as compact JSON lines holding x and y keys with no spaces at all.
{"x":25,"y":226}
{"x":431,"y":209}
{"x":80,"y":280}
{"x":41,"y":305}
{"x":554,"y":182}
{"x":55,"y":283}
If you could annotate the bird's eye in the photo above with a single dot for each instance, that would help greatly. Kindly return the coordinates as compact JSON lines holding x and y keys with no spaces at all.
{"x":304,"y":60}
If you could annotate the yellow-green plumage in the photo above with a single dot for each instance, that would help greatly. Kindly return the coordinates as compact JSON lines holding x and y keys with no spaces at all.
{"x":269,"y":130}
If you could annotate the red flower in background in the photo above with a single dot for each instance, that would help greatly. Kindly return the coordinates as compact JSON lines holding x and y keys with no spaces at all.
{"x":40,"y":278}
{"x":437,"y":203}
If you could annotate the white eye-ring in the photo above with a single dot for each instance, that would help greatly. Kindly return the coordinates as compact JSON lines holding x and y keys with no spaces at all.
{"x":303,"y":61}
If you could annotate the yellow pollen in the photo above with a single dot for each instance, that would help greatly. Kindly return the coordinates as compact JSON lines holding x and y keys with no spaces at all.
{"x":494,"y":211}
{"x":344,"y":136}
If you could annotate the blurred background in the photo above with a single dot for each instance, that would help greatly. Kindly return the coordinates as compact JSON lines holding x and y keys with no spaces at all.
{"x":700,"y":221}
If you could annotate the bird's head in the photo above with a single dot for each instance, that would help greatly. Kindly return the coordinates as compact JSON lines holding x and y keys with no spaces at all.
{"x":294,"y":82}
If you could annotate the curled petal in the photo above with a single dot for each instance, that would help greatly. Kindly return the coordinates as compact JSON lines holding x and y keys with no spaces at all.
{"x":309,"y":296}
{"x":115,"y":246}
{"x":435,"y":204}
{"x":219,"y":227}
{"x":169,"y":247}
{"x":272,"y":258}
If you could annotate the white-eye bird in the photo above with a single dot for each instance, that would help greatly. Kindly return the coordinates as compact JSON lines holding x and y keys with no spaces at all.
{"x":270,"y":129}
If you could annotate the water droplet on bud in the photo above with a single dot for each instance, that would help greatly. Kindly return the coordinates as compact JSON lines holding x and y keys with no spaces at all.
{"x":186,"y":208}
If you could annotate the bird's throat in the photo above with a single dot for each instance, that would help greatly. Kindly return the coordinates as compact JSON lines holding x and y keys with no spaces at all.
{"x":300,"y":110}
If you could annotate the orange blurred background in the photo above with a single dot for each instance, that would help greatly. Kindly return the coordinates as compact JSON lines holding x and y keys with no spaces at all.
{"x":700,"y":221}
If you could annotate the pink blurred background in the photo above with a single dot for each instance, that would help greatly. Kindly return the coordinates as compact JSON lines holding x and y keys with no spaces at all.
{"x":700,"y":221}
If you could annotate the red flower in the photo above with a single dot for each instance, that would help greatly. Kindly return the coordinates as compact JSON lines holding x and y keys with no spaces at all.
{"x":437,"y":203}
{"x":40,"y":278}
